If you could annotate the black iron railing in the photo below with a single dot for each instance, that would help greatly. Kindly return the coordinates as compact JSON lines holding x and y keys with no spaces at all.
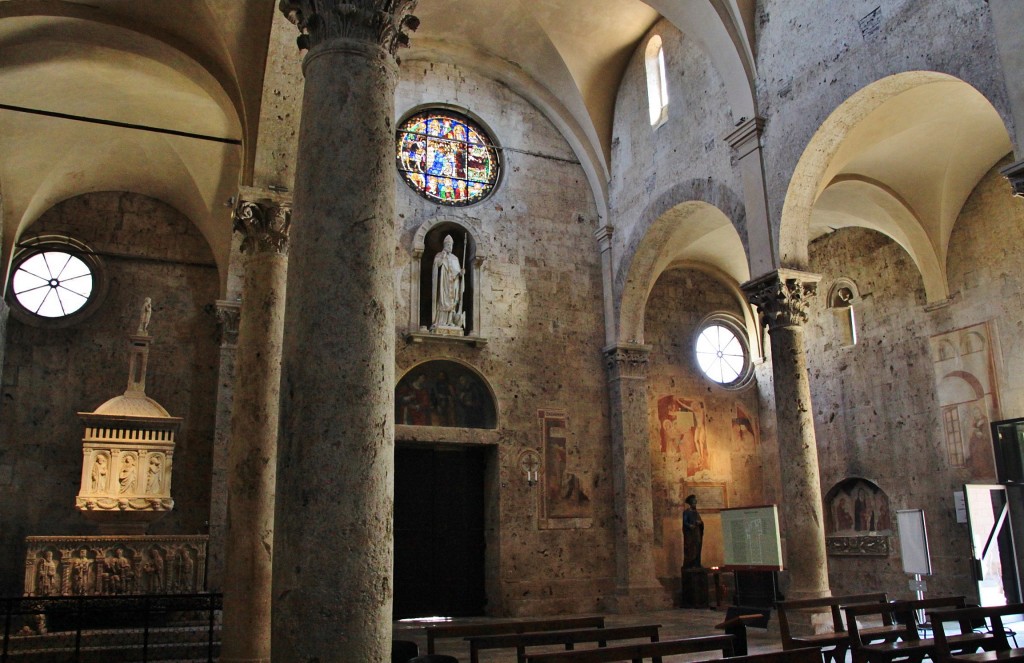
{"x":111,"y":629}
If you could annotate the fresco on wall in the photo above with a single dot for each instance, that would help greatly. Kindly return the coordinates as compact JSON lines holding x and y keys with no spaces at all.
{"x":858,"y":519}
{"x":566,"y":493}
{"x":744,"y":429}
{"x":444,"y":393}
{"x":681,"y":424}
{"x":966,"y":385}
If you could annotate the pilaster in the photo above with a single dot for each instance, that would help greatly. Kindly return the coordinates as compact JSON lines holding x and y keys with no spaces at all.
{"x":604,"y":246}
{"x":227,"y":332}
{"x":637,"y":587}
{"x":745,"y":140}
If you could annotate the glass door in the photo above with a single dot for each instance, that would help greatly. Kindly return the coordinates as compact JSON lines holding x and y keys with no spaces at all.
{"x":992,"y":548}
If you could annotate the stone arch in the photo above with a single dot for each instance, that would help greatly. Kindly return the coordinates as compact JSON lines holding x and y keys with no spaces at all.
{"x":685,"y":223}
{"x":876,"y":149}
{"x":422,"y":392}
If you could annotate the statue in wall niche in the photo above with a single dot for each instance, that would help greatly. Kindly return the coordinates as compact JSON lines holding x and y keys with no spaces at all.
{"x":99,"y":473}
{"x":147,"y":313}
{"x":126,"y":478}
{"x":448,"y":283}
{"x":46,"y":582}
{"x":81,"y":568}
{"x":153,"y":475}
{"x":693,"y":534}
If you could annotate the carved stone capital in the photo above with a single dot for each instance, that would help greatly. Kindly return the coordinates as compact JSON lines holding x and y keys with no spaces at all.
{"x":263,"y":219}
{"x":782,"y":297}
{"x":228,"y":315}
{"x":1014,"y":173}
{"x":627,"y":360}
{"x":383,"y":22}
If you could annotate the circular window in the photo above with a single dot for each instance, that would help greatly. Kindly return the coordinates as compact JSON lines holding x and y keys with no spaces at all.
{"x":52,"y":284}
{"x":54,"y":281}
{"x":722,"y":353}
{"x":447,"y":158}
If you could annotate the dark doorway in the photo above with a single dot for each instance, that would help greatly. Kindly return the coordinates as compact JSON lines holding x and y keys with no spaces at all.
{"x":439,"y":531}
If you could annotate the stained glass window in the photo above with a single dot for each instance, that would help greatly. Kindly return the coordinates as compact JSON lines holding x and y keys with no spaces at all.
{"x":447,"y":158}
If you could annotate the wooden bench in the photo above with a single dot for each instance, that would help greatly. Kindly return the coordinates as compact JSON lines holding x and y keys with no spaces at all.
{"x":439,"y":631}
{"x":994,"y":643}
{"x":738,"y":619}
{"x":910,"y":645}
{"x":833,"y":644}
{"x":520,"y":641}
{"x":638,"y":652}
{"x":807,"y":655}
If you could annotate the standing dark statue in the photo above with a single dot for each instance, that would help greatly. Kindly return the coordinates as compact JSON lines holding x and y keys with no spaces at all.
{"x":693,"y":534}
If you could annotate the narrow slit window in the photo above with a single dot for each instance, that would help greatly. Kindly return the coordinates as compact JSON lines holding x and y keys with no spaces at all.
{"x":657,"y":81}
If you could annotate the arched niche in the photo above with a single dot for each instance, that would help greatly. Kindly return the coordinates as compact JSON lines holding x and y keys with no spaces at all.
{"x":445,"y":394}
{"x":427,"y":243}
{"x":857,"y":507}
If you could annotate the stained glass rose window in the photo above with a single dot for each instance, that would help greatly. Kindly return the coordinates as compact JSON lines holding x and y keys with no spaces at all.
{"x":447,"y":158}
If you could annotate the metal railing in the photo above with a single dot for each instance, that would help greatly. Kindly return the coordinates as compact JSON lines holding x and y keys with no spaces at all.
{"x":111,"y":629}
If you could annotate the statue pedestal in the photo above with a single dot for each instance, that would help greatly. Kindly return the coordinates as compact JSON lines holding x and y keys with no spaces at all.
{"x":695,"y":588}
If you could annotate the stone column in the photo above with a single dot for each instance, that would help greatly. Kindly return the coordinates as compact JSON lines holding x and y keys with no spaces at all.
{"x":745,"y":141}
{"x":636,"y":585}
{"x":227,"y":324}
{"x":333,"y":540}
{"x":782,"y":298}
{"x":262,"y":218}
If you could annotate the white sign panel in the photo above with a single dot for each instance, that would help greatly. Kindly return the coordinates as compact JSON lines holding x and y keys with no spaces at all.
{"x":751,"y":537}
{"x":914,"y":542}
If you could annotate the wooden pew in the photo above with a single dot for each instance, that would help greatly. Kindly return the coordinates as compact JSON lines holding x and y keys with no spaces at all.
{"x":994,"y":643}
{"x":520,"y":641}
{"x":807,"y":655}
{"x":833,"y":644}
{"x":910,"y":643}
{"x":639,"y":652}
{"x":439,"y":631}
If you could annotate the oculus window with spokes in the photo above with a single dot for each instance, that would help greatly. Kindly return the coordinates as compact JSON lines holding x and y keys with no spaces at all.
{"x":52,"y":284}
{"x":721,"y":354}
{"x":447,"y":158}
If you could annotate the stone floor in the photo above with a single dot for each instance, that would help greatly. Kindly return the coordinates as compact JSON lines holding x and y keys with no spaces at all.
{"x":676,"y":623}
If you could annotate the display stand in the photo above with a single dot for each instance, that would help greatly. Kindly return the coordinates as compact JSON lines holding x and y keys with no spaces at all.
{"x":914,"y":551}
{"x":694,"y":588}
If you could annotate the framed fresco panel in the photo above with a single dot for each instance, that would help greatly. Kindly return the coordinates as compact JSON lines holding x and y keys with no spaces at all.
{"x":710,"y":496}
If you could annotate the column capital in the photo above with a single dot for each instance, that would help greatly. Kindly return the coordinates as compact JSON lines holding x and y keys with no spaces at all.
{"x":262,"y":217}
{"x":1014,"y":173}
{"x":383,"y":22}
{"x":746,"y":136}
{"x":604,"y":237}
{"x":783,"y":297}
{"x":627,"y":360}
{"x":228,"y":315}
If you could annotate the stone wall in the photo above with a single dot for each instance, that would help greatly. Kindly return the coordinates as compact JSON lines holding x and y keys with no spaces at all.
{"x":684,"y":159}
{"x":542,"y":319}
{"x":728,"y":421}
{"x":148,"y":250}
{"x":879,"y":405}
{"x":812,"y":58}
